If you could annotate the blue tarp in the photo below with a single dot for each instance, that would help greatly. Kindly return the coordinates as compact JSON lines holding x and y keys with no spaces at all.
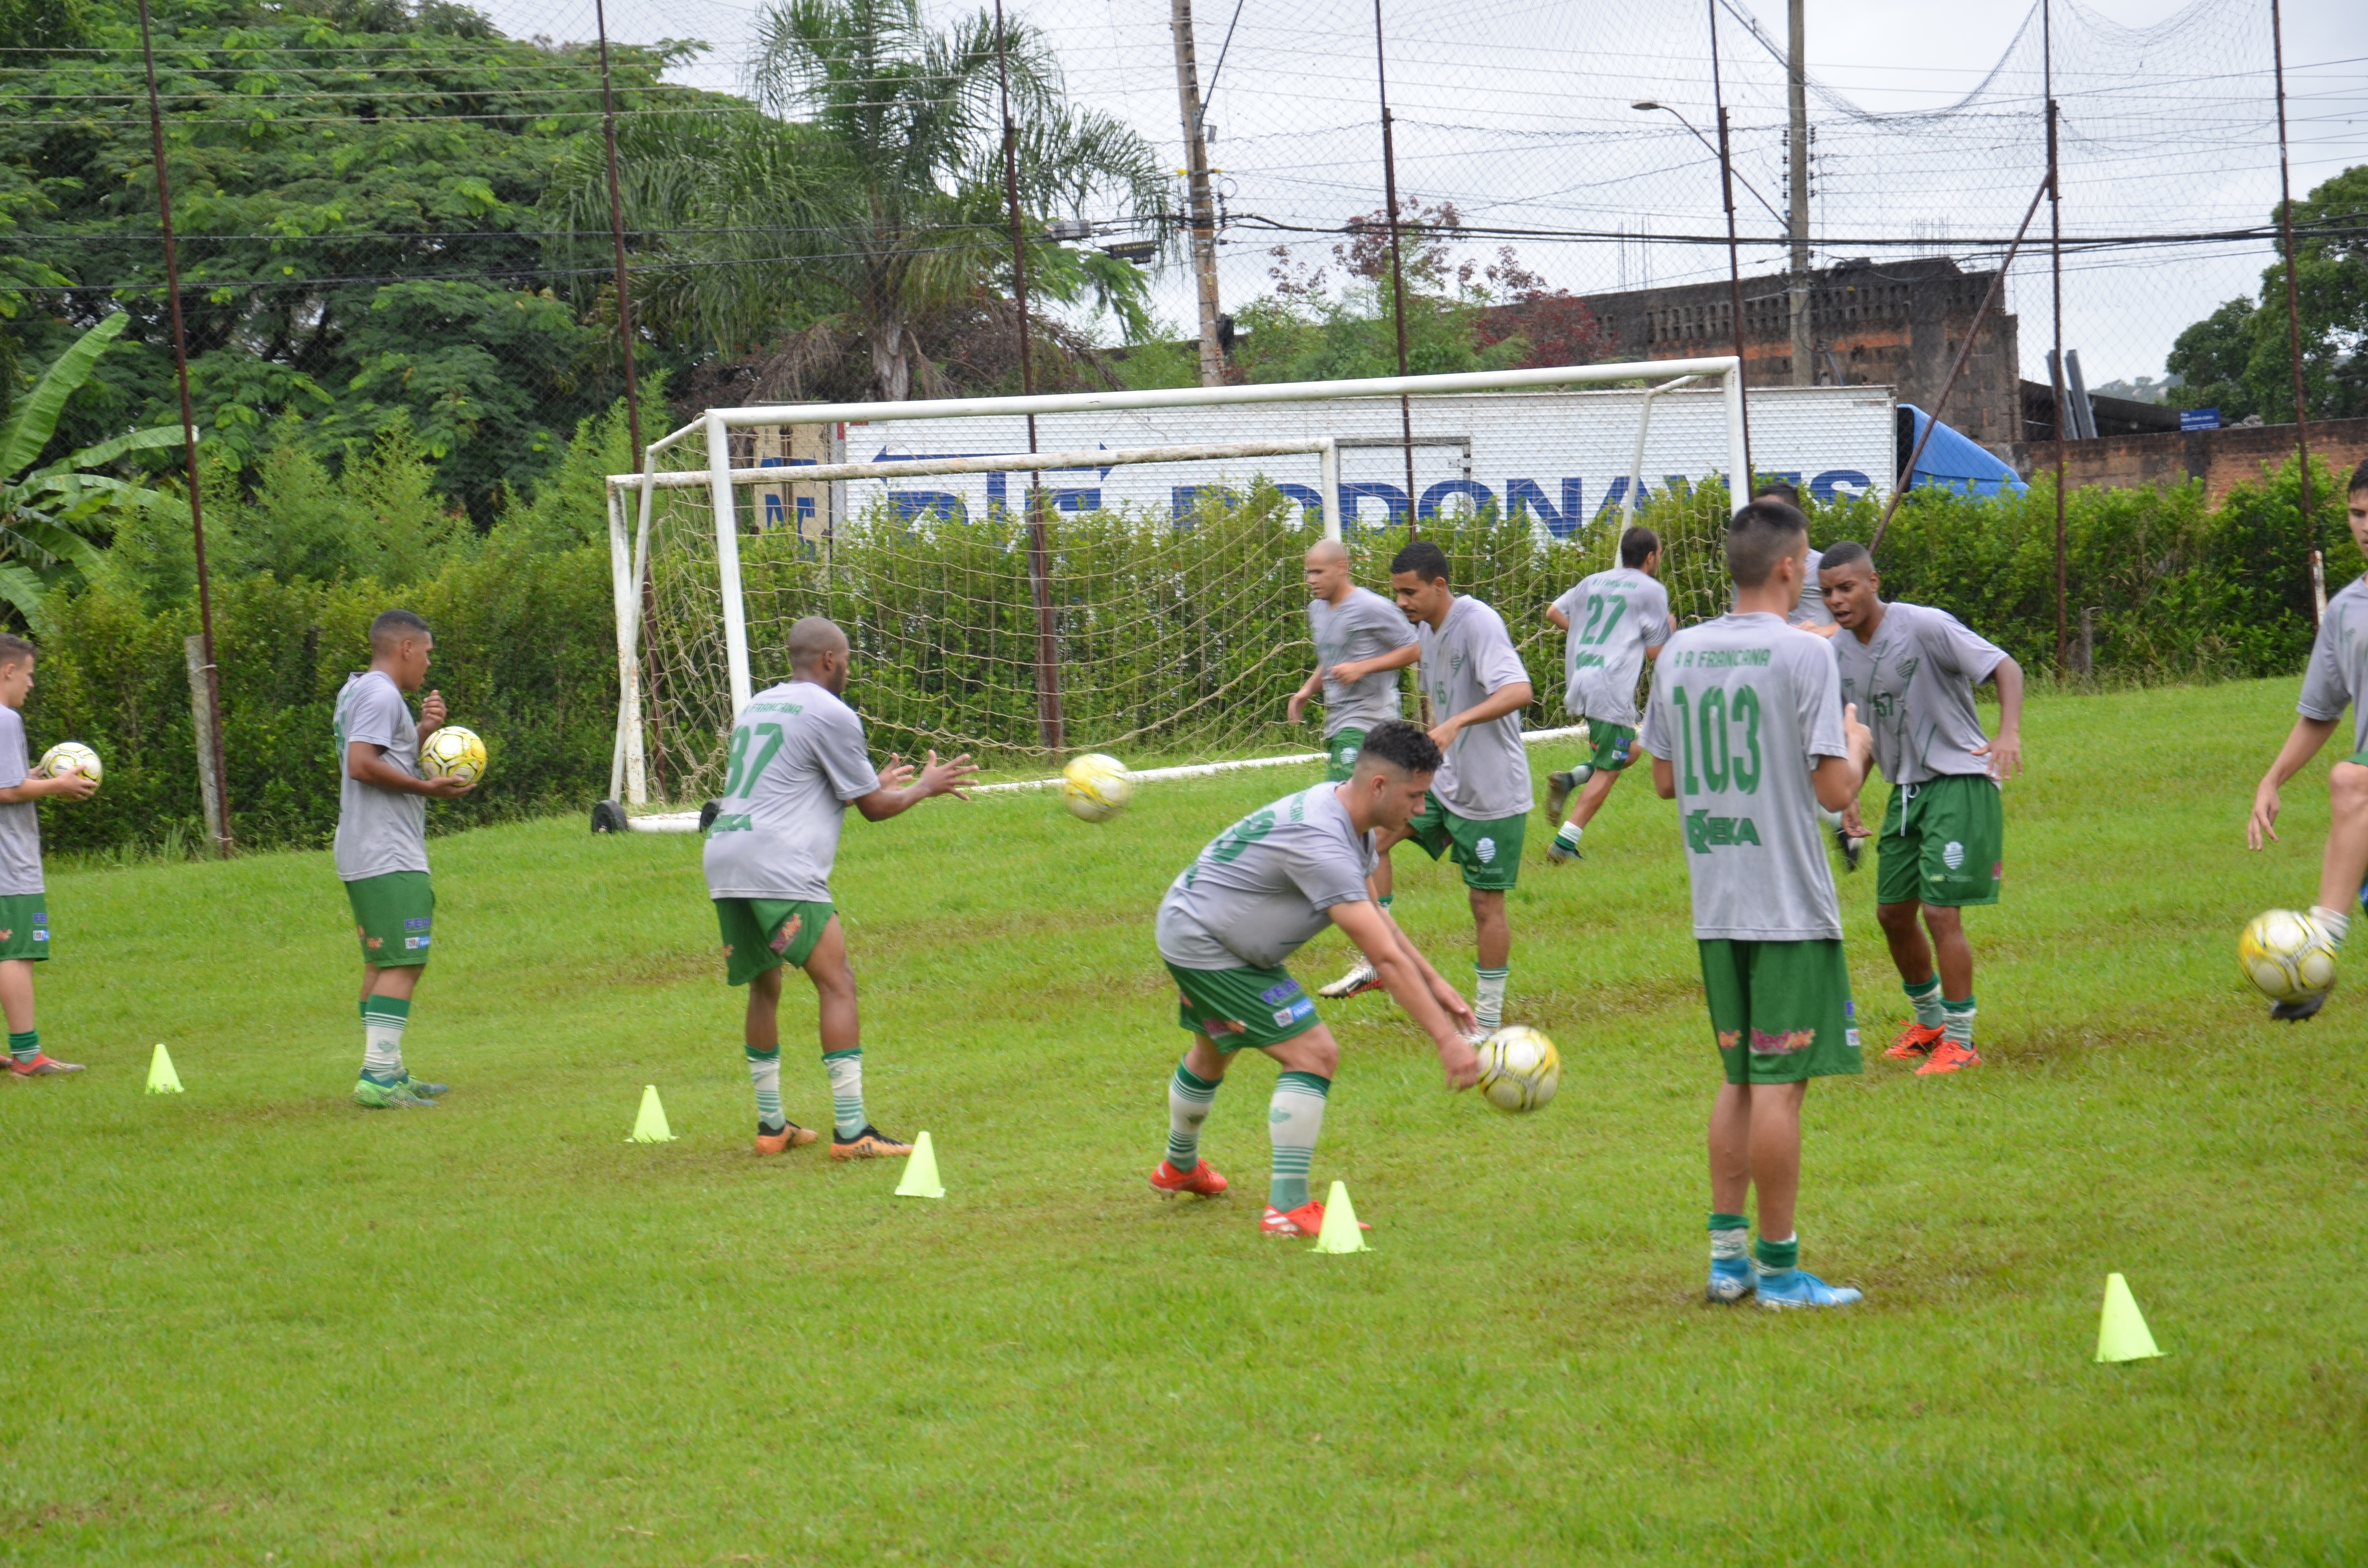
{"x":1955,"y":461}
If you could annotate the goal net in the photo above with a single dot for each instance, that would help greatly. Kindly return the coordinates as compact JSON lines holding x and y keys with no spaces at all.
{"x":1135,"y":587}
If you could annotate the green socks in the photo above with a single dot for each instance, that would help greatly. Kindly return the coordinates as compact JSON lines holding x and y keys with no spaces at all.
{"x":1777,"y":1257}
{"x":1926,"y":1001}
{"x":1489,"y":997}
{"x":1294,"y":1119}
{"x":765,"y":1072}
{"x":26,"y":1046}
{"x":382,"y":1021}
{"x":846,"y":1069}
{"x":1189,"y":1096}
{"x":1959,"y":1024}
{"x":1730,"y":1236}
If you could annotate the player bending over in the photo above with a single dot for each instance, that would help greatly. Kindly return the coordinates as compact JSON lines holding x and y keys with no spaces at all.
{"x":2338,"y":676}
{"x":1811,"y":615}
{"x":24,"y":904}
{"x":1350,"y":623}
{"x":1749,"y":734}
{"x":1229,"y":922}
{"x":797,"y":762}
{"x":1614,"y":622}
{"x":382,"y":847}
{"x":1912,"y":669}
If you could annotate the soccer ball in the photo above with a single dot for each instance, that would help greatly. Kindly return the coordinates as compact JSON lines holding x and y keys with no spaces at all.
{"x":1096,"y":787}
{"x":1519,"y":1068}
{"x":453,"y":753}
{"x":69,"y":756}
{"x":2287,"y":956}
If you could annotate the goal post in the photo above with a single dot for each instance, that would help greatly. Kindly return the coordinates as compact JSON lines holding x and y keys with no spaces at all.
{"x":1151,"y":561}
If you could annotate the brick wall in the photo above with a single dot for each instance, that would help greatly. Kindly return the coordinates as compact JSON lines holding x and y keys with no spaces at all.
{"x":2222,"y":458}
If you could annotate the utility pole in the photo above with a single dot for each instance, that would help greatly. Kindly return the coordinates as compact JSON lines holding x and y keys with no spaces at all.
{"x":2293,"y":331}
{"x":1734,"y":262}
{"x":1039,"y":556}
{"x":616,"y":231}
{"x":1397,"y":262}
{"x":1203,"y":217}
{"x":2056,"y":360}
{"x":1804,"y":340}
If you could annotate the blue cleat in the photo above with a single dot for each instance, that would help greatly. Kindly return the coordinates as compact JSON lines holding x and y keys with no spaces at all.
{"x":1799,"y":1287}
{"x":1731,"y":1280}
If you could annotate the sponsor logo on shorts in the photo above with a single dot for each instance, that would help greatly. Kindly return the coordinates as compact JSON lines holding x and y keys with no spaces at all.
{"x":373,"y":943}
{"x":787,"y":934}
{"x":1952,"y":855}
{"x":1219,"y":1026}
{"x":41,"y":918}
{"x":1787,"y":1042}
{"x":6,"y":932}
{"x":414,"y":944}
{"x":1852,"y":1036}
{"x":1706,"y":831}
{"x":418,"y":922}
{"x":1487,"y":849}
{"x":40,"y":935}
{"x":1997,"y":870}
{"x":1283,"y":993}
{"x":1730,"y":1039}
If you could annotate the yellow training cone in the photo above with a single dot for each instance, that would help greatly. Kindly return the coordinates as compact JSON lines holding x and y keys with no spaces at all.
{"x":921,"y":1171}
{"x":650,"y":1127}
{"x":162,"y":1079}
{"x":1340,"y":1233}
{"x":2122,"y":1331}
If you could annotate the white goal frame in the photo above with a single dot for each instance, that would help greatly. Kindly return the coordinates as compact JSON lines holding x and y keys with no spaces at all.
{"x":628,"y":550}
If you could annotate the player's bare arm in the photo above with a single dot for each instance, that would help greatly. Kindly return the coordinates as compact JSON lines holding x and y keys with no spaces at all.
{"x":366,"y":762}
{"x":1555,"y":618}
{"x":903,"y":787}
{"x":431,"y":714}
{"x":1305,"y":695}
{"x":2005,"y":748}
{"x":1508,"y":698}
{"x":1395,"y":659}
{"x":72,"y":786}
{"x":1404,"y":977}
{"x":2302,"y":743}
{"x":1836,"y":780}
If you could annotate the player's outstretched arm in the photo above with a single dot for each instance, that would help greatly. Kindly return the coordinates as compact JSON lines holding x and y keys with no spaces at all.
{"x":1395,"y":659}
{"x":366,"y":761}
{"x":2005,"y":748}
{"x":2301,"y":745}
{"x":903,"y":787}
{"x":1410,"y":982}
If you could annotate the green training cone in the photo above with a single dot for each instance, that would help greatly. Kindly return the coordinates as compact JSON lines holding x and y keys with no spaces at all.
{"x":162,"y":1079}
{"x":650,"y":1127}
{"x":1340,"y":1233}
{"x":2120,"y":1331}
{"x":921,"y":1171}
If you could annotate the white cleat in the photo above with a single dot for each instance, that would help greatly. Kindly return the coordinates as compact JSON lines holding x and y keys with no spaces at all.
{"x":1359,"y":979}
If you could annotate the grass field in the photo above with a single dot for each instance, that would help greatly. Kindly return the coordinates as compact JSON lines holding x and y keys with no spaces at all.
{"x":253,"y":1324}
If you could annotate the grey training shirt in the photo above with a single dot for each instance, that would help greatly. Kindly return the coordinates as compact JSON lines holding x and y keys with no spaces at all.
{"x":1914,"y":682}
{"x":2338,"y":672}
{"x":1615,"y":616}
{"x":1812,"y":610}
{"x":1486,"y":774}
{"x":797,"y":758}
{"x":20,"y":825}
{"x":379,"y":830}
{"x":1742,"y":707}
{"x":1262,"y":887}
{"x":1363,"y":625}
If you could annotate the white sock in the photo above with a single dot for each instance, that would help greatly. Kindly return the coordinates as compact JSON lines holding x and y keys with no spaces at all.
{"x":845,"y":1069}
{"x":1488,"y":998}
{"x":2336,"y":921}
{"x":1569,"y":833}
{"x":1832,"y":820}
{"x":382,"y":1021}
{"x":764,"y":1073}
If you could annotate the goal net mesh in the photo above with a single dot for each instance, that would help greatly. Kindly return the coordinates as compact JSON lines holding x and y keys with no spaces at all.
{"x":1176,"y":606}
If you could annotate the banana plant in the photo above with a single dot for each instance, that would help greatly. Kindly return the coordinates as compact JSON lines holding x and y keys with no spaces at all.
{"x":43,"y":510}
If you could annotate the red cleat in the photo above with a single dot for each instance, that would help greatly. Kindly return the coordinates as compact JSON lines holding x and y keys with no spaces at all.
{"x":1948,"y":1056}
{"x":1307,"y":1220}
{"x":42,"y":1066}
{"x":1201,"y":1180}
{"x":1915,"y":1042}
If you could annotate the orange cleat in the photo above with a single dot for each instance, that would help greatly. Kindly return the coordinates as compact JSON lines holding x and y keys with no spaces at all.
{"x":42,"y":1066}
{"x":1201,"y":1180}
{"x":1948,"y":1056}
{"x":790,"y":1136}
{"x":1915,"y":1042}
{"x":869,"y":1144}
{"x":1306,"y":1220}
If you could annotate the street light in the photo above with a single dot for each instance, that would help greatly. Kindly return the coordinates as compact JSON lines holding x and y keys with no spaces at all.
{"x":1649,"y":106}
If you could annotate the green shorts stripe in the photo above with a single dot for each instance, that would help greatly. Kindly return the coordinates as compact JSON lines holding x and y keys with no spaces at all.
{"x":1489,"y":850}
{"x":394,"y":917}
{"x":1943,"y":842}
{"x":1779,"y":1011}
{"x":766,"y":933}
{"x":1340,"y":749}
{"x":1236,"y":1007}
{"x":24,"y":926}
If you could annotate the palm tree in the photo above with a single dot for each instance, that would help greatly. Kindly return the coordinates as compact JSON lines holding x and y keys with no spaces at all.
{"x":43,"y":509}
{"x":867,"y":196}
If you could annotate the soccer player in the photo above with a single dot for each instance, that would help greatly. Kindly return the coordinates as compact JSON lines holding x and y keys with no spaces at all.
{"x":1613,"y":623}
{"x":381,"y":846}
{"x":1912,"y":670}
{"x":2337,"y":675}
{"x":23,"y":905}
{"x":1811,"y":615}
{"x":1235,"y":917}
{"x":1350,"y":623}
{"x":797,"y":762}
{"x":1747,"y":733}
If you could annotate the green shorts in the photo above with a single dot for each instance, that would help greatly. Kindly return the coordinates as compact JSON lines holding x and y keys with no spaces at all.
{"x":1340,"y":749}
{"x":759,"y":935}
{"x":395,"y":915}
{"x":1236,"y":1007}
{"x":1490,"y":851}
{"x":1615,"y":745}
{"x":1943,"y":842}
{"x":1782,"y":1011}
{"x":24,"y":927}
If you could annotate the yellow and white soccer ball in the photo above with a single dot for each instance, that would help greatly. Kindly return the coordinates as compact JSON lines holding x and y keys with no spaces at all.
{"x":453,"y":753}
{"x":69,"y":756}
{"x":1096,"y":787}
{"x":1519,"y":1068}
{"x":2287,"y":956}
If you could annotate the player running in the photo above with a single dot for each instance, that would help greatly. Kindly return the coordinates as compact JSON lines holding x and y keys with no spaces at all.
{"x":1229,"y":922}
{"x":1614,"y":622}
{"x":797,"y":761}
{"x":381,"y":846}
{"x":23,"y":901}
{"x":2337,"y":675}
{"x":1912,"y":670}
{"x":1350,"y":623}
{"x":1747,"y":733}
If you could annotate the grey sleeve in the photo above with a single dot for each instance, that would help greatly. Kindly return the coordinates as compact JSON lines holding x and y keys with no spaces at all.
{"x":1325,"y":872}
{"x":1499,"y":661}
{"x":1957,"y":648}
{"x":1390,"y":623}
{"x":2324,"y":692}
{"x":1652,"y":740}
{"x":1573,"y":600}
{"x":1656,"y":612}
{"x":845,"y":760}
{"x":13,"y":768}
{"x":380,"y":716}
{"x":1817,"y":697}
